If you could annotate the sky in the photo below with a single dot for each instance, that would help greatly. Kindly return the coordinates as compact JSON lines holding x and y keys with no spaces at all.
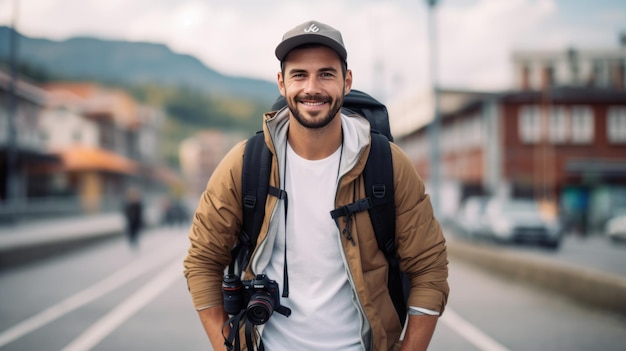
{"x":387,"y":41}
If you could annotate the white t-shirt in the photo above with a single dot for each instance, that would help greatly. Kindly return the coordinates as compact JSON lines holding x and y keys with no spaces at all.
{"x":323,"y":313}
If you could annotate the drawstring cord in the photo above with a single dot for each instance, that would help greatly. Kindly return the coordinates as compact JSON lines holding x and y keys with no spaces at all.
{"x":347,"y":229}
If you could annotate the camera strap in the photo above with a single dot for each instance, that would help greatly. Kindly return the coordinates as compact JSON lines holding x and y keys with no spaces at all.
{"x":233,"y":341}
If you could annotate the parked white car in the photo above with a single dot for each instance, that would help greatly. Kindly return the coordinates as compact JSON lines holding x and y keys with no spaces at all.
{"x":470,"y":218}
{"x":615,"y":227}
{"x":521,"y":220}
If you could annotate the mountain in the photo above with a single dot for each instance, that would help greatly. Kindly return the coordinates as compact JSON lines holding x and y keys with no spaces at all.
{"x":131,"y":63}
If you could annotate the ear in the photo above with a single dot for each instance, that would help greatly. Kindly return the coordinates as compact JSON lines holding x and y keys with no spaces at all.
{"x":348,"y":82}
{"x":281,"y":83}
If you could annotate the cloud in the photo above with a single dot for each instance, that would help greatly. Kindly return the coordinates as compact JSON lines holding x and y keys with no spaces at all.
{"x":476,"y":41}
{"x":387,"y":40}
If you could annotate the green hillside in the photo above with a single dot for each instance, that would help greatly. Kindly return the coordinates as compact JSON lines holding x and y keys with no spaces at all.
{"x":193,"y":96}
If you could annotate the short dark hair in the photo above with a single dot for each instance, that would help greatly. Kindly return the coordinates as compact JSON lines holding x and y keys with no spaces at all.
{"x":344,"y":64}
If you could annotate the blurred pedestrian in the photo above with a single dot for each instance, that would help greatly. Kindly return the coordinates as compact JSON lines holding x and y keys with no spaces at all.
{"x":133,"y":212}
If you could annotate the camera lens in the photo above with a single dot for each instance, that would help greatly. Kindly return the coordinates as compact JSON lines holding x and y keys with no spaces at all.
{"x":260,"y":308}
{"x":232,"y":291}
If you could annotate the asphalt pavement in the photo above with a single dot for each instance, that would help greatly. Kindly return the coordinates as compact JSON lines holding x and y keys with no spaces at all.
{"x":27,"y":241}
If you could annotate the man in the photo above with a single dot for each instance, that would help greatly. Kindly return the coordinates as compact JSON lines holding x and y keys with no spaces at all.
{"x":335,"y":273}
{"x":133,"y":212}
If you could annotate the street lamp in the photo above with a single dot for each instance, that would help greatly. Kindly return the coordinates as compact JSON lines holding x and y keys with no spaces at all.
{"x":435,"y":125}
{"x":11,"y":152}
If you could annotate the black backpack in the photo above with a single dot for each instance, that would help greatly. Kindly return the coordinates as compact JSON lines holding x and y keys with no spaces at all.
{"x":379,"y":200}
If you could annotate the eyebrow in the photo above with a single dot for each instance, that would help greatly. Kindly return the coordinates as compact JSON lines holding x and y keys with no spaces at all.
{"x":323,"y":69}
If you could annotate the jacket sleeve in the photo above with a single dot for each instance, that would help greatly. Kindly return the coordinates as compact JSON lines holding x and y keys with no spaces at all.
{"x":213,"y":233}
{"x":419,"y":238}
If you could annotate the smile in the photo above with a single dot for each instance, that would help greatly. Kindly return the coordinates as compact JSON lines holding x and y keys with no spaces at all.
{"x":313,"y":103}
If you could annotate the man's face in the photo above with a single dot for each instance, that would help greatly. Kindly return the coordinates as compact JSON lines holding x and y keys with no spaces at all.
{"x":313,"y":85}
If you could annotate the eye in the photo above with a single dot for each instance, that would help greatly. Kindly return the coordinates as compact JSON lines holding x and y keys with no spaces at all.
{"x":327,"y":75}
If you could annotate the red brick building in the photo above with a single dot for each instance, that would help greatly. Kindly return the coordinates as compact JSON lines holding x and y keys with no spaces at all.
{"x":559,"y":137}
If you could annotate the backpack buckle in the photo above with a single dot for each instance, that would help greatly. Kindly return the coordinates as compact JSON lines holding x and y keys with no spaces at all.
{"x":249,"y":201}
{"x":360,"y":205}
{"x":378,"y":190}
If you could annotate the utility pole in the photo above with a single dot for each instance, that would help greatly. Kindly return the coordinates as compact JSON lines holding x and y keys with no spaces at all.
{"x":11,"y":156}
{"x":434,"y":129}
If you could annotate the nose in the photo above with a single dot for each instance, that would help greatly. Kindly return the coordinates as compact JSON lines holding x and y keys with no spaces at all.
{"x":312,"y":85}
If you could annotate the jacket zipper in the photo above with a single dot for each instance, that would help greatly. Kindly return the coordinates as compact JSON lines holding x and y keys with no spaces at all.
{"x":355,"y":294}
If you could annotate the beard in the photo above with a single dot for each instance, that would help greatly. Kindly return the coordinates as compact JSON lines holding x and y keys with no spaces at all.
{"x":315,"y":123}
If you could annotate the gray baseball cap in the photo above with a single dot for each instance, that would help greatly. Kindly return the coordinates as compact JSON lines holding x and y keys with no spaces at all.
{"x":311,"y":32}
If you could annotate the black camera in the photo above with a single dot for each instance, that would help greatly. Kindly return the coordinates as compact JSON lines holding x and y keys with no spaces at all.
{"x":258,"y":296}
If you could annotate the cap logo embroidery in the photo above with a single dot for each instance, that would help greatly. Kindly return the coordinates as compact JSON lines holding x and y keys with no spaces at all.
{"x":312,"y":29}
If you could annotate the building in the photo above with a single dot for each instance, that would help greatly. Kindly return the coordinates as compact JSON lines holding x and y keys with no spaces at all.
{"x":559,"y":136}
{"x":200,"y":154}
{"x":538,"y":69}
{"x":107,"y":142}
{"x":21,"y":103}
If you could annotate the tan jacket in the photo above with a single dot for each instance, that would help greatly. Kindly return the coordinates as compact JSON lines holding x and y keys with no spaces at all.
{"x":420,"y":243}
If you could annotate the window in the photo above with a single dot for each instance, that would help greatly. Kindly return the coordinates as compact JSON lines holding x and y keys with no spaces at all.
{"x":582,"y":125}
{"x":77,"y":136}
{"x":547,"y":76}
{"x":476,"y":129}
{"x":616,"y":125}
{"x":558,"y":128}
{"x":529,"y":124}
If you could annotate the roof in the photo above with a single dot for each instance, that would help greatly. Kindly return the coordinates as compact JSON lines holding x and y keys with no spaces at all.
{"x":410,"y":114}
{"x":565,"y":94}
{"x":23,"y":89}
{"x":82,"y":158}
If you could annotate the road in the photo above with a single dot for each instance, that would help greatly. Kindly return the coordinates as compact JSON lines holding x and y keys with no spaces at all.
{"x":109,"y":297}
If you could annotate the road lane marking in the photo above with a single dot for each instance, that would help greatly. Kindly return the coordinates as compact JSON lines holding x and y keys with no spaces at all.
{"x":90,"y":294}
{"x":472,"y":334}
{"x":112,"y":320}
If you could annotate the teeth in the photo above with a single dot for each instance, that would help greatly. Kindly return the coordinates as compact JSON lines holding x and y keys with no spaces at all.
{"x":312,"y":103}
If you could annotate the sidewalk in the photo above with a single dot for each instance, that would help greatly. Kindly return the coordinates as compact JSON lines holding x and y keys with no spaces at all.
{"x":25,"y":241}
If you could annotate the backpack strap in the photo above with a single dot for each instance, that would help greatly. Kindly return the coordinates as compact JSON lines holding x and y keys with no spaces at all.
{"x":380,"y":203}
{"x":378,"y":177}
{"x":257,"y":161}
{"x":255,"y":179}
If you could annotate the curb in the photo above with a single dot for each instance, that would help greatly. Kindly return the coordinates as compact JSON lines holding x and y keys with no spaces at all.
{"x":35,"y":240}
{"x":593,"y":288}
{"x":11,"y":257}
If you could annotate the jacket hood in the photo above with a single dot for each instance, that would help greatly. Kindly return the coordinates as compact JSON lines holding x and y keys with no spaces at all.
{"x":356,"y":138}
